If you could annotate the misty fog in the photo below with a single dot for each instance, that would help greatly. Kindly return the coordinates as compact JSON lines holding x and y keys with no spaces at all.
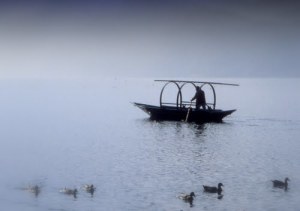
{"x":191,"y":39}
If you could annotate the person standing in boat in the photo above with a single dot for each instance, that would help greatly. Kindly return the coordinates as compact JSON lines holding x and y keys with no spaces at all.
{"x":200,"y":98}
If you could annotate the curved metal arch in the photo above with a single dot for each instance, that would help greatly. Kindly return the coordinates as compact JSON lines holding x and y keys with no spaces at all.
{"x":214,"y":92}
{"x":179,"y":95}
{"x":182,"y":87}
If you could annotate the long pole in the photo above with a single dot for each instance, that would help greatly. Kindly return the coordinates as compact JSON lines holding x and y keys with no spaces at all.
{"x":188,"y":113}
{"x":202,"y":82}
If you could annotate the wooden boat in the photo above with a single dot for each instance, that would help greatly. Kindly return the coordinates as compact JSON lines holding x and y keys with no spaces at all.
{"x":185,"y":110}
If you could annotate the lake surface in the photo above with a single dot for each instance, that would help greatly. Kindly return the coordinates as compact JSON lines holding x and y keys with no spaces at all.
{"x":67,"y":133}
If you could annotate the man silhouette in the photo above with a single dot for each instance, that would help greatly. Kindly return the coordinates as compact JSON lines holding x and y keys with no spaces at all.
{"x":200,"y":98}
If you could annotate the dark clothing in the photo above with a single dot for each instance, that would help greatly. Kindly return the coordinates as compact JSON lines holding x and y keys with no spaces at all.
{"x":200,"y":99}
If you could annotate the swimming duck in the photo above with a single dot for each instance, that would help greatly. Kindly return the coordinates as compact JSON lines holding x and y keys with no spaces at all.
{"x":89,"y":188}
{"x":280,"y":184}
{"x":69,"y":191}
{"x":213,"y":189}
{"x":33,"y":189}
{"x":188,"y":198}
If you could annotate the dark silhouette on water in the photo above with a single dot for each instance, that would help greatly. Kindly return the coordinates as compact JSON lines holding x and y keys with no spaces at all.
{"x":200,"y":98}
{"x":281,"y":184}
{"x":90,"y":189}
{"x":210,"y":189}
{"x":36,"y":190}
{"x":177,"y":111}
{"x":33,"y":189}
{"x":189,"y":198}
{"x":69,"y":191}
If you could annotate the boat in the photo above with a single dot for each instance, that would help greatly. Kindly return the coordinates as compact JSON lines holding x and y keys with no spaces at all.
{"x":186,"y":110}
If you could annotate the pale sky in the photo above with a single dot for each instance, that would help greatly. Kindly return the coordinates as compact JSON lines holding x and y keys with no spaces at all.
{"x":159,"y":39}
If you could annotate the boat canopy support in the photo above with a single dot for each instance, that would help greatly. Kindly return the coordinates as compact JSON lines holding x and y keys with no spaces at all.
{"x":180,"y":84}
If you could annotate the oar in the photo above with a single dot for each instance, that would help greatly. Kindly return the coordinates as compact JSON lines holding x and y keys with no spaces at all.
{"x":188,"y":113}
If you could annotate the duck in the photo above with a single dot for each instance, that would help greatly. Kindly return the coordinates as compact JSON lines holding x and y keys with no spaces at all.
{"x":33,"y":189}
{"x":281,"y":184}
{"x":89,"y":188}
{"x":69,"y":191}
{"x":213,"y":189}
{"x":188,"y":198}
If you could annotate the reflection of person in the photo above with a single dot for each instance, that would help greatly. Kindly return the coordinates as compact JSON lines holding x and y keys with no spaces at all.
{"x":200,"y":98}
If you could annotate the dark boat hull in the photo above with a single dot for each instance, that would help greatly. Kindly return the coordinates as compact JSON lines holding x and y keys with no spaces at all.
{"x":180,"y":114}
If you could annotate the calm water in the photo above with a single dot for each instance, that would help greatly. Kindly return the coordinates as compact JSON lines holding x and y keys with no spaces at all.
{"x":67,"y":133}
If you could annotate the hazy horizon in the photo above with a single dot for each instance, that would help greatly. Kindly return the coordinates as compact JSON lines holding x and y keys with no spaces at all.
{"x":54,"y":39}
